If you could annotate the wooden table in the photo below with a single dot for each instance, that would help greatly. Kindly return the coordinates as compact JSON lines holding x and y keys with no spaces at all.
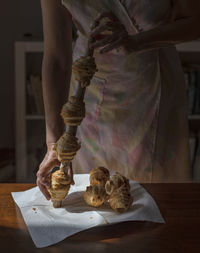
{"x":179,"y":204}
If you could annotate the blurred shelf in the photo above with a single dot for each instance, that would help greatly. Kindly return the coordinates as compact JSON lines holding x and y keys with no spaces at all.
{"x":194,"y":123}
{"x":194,"y":117}
{"x":35,"y":117}
{"x":30,"y":46}
{"x":193,"y":46}
{"x":30,"y":129}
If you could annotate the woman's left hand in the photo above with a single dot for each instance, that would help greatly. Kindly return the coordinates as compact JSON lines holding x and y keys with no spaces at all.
{"x":119,"y":36}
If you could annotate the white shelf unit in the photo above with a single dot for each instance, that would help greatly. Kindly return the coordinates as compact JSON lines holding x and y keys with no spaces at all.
{"x":192,"y":48}
{"x":190,"y":57}
{"x":21,"y":51}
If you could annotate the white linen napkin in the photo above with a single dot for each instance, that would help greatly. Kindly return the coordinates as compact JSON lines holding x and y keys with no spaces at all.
{"x":48,"y":225}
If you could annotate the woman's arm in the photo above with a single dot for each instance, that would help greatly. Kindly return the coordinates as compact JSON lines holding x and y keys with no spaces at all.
{"x":56,"y":67}
{"x":182,"y":26}
{"x":185,"y":29}
{"x":56,"y":75}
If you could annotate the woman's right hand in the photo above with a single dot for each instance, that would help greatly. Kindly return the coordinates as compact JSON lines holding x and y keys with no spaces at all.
{"x":43,"y":175}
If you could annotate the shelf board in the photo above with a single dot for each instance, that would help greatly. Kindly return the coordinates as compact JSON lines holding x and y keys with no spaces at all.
{"x":192,"y":46}
{"x":194,"y":123}
{"x":35,"y":117}
{"x":30,"y":46}
{"x":194,"y":117}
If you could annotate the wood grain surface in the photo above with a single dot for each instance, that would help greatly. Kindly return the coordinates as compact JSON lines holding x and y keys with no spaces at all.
{"x":179,"y":205}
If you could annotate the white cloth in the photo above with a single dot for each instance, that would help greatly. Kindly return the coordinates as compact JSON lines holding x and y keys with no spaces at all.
{"x":48,"y":225}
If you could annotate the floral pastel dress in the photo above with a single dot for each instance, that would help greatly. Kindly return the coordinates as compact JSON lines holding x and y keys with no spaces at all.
{"x":136,"y":121}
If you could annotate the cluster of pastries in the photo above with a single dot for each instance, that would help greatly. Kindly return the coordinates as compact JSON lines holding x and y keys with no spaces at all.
{"x":60,"y":185}
{"x":102,"y":188}
{"x":95,"y":194}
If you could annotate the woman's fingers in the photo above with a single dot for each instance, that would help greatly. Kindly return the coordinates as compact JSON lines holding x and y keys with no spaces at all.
{"x":109,"y":15}
{"x":44,"y":190}
{"x":44,"y":171}
{"x":43,"y":178}
{"x":43,"y":175}
{"x":108,"y":26}
{"x":116,"y":44}
{"x":110,"y":41}
{"x":105,"y":41}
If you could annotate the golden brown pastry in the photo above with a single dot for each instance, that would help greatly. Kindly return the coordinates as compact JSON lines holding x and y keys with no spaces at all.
{"x":60,"y":185}
{"x":99,"y":175}
{"x":115,"y":182}
{"x":120,"y":200}
{"x":73,"y":111}
{"x":95,"y":195}
{"x":83,"y":69}
{"x":66,"y":148}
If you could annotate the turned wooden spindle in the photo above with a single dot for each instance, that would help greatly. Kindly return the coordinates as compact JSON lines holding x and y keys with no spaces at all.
{"x":78,"y":93}
{"x":79,"y":90}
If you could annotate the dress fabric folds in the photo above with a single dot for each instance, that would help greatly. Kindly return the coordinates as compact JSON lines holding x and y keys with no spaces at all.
{"x":136,"y":121}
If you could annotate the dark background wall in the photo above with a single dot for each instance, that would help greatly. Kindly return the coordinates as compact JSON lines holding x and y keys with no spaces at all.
{"x":16,"y":19}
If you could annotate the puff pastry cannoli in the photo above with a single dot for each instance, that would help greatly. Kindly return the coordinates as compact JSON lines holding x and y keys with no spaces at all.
{"x":60,"y":185}
{"x":73,"y":111}
{"x":95,"y":195}
{"x":115,"y":182}
{"x":66,"y":148}
{"x":99,"y":175}
{"x":83,"y":69}
{"x":120,"y":200}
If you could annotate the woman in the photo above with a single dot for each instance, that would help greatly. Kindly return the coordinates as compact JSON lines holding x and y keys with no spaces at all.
{"x":136,"y":106}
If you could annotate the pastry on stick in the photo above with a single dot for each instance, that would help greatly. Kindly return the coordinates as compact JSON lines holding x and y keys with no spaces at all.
{"x":66,"y":148}
{"x":60,"y":185}
{"x":73,"y":111}
{"x":83,"y":69}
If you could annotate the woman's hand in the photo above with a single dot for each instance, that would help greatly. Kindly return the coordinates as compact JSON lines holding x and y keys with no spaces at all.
{"x":119,"y":36}
{"x":43,"y":175}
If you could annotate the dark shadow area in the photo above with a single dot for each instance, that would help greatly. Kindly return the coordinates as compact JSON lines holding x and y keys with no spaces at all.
{"x":12,"y":239}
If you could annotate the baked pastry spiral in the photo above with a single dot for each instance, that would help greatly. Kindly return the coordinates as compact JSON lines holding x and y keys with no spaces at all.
{"x":115,"y":182}
{"x":99,"y":176}
{"x":95,"y":195}
{"x":66,"y":148}
{"x":120,"y":200}
{"x":60,"y":185}
{"x":84,"y":68}
{"x":73,"y":111}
